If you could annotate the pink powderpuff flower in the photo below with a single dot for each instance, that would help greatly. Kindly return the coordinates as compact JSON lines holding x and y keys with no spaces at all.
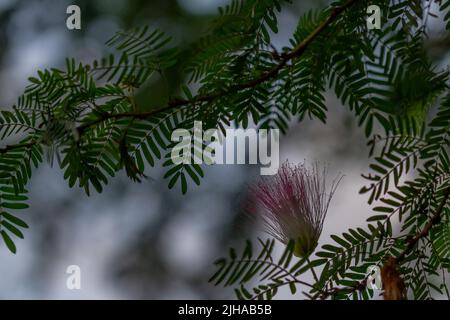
{"x":294,"y":203}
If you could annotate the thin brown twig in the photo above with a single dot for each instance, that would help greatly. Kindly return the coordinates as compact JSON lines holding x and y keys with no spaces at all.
{"x":263,"y":77}
{"x":435,"y":219}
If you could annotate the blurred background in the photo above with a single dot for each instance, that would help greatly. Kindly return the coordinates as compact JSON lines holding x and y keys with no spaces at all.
{"x":144,"y":241}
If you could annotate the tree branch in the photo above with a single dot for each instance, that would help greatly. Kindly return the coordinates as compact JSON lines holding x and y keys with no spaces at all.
{"x":263,"y":77}
{"x":435,"y":219}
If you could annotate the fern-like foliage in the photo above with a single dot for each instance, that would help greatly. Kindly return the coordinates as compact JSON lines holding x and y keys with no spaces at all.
{"x":241,"y":271}
{"x":386,"y":79}
{"x":85,"y":118}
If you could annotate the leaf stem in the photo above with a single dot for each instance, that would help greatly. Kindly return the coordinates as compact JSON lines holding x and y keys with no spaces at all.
{"x":435,"y":219}
{"x":316,"y":278}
